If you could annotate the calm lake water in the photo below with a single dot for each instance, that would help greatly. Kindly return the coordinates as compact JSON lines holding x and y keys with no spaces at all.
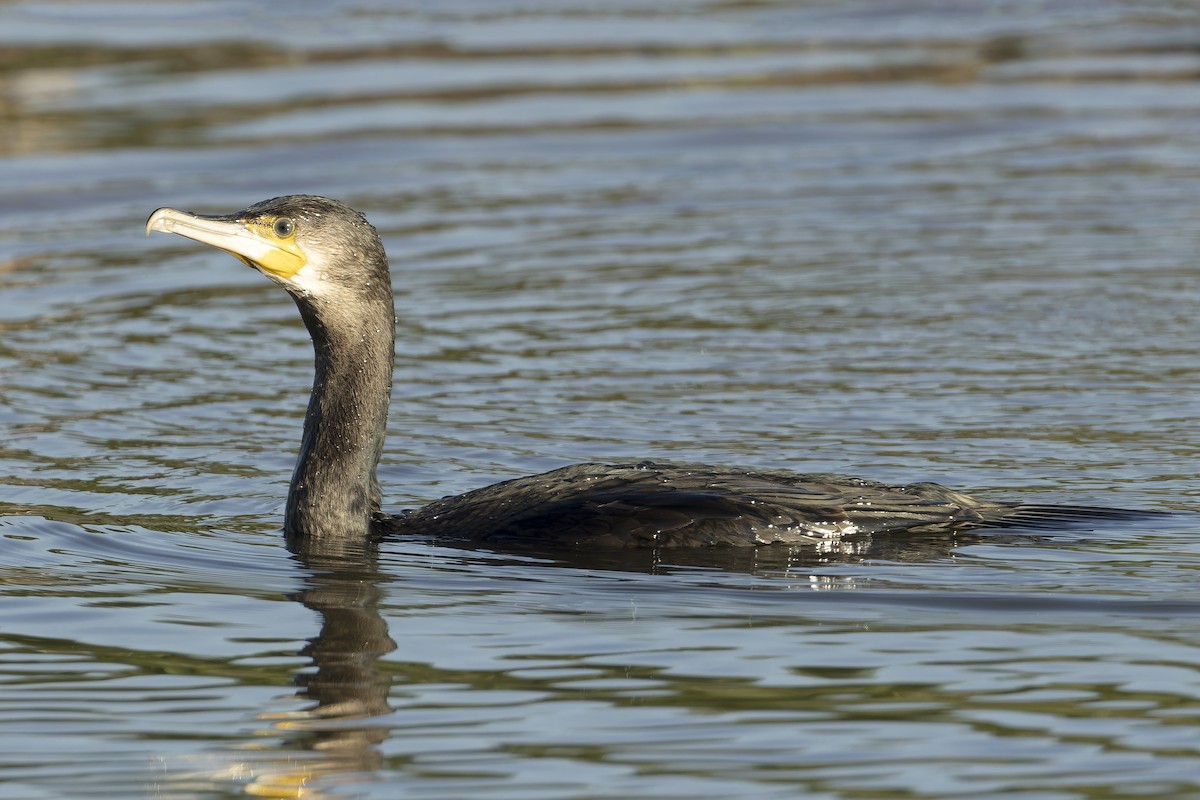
{"x":911,"y":241}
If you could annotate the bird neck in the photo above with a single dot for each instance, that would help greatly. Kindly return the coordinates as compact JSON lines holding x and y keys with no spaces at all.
{"x":334,"y":491}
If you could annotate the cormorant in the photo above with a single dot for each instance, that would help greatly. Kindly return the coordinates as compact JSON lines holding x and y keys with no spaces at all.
{"x":329,"y":258}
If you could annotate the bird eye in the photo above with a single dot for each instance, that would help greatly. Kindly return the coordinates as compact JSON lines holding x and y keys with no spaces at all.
{"x":284,"y":228}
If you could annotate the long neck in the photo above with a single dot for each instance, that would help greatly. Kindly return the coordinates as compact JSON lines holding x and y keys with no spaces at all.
{"x":334,"y":489}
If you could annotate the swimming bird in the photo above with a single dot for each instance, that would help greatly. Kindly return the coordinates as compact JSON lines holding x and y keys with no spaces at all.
{"x":331,"y":261}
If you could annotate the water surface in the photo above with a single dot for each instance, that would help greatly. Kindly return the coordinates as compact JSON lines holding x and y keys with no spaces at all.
{"x":906,"y":241}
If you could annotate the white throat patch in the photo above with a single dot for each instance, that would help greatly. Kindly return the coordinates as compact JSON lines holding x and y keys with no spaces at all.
{"x":310,"y":279}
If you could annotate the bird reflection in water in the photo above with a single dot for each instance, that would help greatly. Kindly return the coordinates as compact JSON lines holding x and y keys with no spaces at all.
{"x":340,"y":732}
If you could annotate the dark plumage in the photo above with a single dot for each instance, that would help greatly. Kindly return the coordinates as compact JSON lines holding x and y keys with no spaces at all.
{"x":330,"y":259}
{"x":652,"y":504}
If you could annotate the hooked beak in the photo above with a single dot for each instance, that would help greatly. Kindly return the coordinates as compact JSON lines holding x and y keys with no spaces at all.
{"x":251,"y":240}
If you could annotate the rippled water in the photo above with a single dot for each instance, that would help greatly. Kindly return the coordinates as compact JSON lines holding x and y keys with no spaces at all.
{"x":931,"y":241}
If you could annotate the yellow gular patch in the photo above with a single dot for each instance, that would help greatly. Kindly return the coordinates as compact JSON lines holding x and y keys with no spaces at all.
{"x":283,"y":258}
